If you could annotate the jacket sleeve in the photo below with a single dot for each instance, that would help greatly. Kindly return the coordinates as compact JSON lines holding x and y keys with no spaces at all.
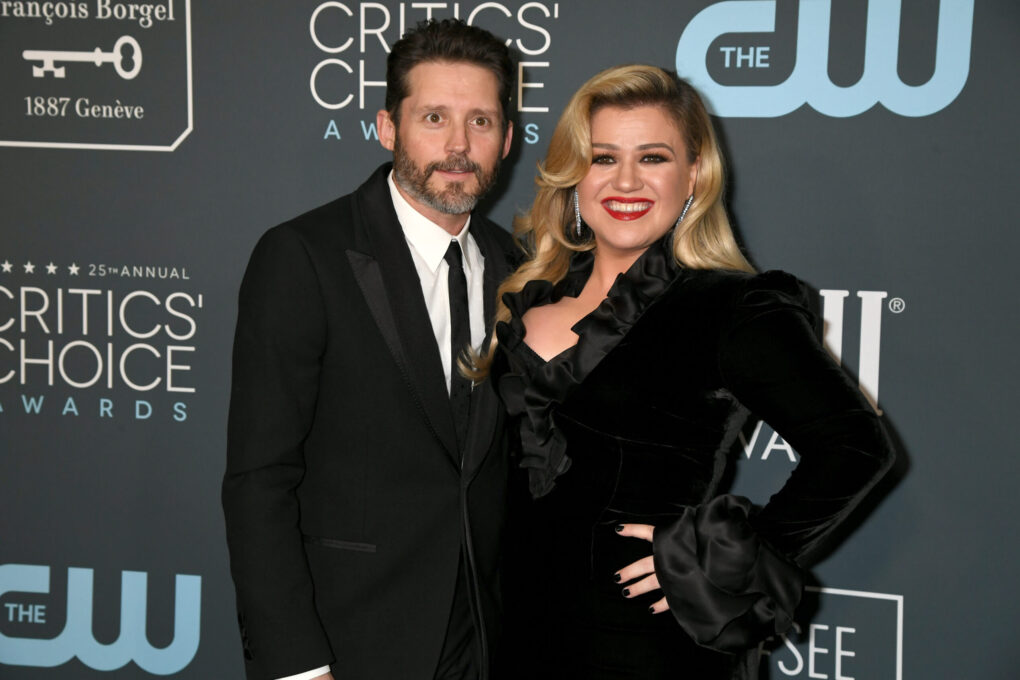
{"x":278,"y":346}
{"x":772,"y":361}
{"x":733,"y":578}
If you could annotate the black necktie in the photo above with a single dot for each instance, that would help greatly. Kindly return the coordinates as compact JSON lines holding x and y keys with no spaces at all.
{"x":460,"y":340}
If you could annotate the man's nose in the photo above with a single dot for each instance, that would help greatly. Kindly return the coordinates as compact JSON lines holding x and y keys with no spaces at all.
{"x":457,"y":140}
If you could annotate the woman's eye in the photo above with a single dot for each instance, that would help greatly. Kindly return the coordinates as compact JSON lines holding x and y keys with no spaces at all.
{"x":603,"y":159}
{"x":654,"y":158}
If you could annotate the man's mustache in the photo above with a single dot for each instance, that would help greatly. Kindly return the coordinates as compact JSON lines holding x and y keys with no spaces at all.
{"x":455,"y":164}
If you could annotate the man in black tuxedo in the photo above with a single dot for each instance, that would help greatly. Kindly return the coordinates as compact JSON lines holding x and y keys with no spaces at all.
{"x":365,"y":483}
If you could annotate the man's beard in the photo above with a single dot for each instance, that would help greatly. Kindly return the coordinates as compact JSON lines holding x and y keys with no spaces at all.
{"x":453,"y":199}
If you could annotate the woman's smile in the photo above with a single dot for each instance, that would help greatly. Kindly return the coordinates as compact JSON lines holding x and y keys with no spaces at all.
{"x":627,"y":208}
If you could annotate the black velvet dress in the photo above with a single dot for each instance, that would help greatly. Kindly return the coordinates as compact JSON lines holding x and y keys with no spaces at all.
{"x":635,"y":424}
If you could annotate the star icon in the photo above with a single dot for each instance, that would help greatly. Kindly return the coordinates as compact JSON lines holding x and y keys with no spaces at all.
{"x":73,"y":269}
{"x":6,"y":266}
{"x":51,"y":268}
{"x":29,"y":268}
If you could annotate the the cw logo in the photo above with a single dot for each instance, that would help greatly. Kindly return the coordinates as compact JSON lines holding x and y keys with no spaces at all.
{"x":809,"y":83}
{"x":77,"y":640}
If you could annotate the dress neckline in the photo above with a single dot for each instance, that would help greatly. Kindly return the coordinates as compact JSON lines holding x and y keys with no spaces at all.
{"x":534,"y":387}
{"x":538,"y":357}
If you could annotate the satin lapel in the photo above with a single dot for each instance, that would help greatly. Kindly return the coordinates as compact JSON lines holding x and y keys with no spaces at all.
{"x":485,"y":404}
{"x":390,"y":284}
{"x":497,"y":269}
{"x":369,"y":277}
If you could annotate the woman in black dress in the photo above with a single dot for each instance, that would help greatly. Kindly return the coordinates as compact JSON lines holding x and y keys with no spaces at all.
{"x":630,"y":346}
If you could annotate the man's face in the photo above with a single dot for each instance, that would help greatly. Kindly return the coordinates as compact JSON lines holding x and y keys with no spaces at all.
{"x":447,"y":148}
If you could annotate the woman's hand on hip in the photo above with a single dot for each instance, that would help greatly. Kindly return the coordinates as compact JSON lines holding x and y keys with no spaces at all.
{"x":643,"y":569}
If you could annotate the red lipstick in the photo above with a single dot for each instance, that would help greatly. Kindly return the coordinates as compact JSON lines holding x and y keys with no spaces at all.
{"x":627,"y":209}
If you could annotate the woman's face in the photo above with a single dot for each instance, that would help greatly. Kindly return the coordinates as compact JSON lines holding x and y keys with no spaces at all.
{"x":639,"y":178}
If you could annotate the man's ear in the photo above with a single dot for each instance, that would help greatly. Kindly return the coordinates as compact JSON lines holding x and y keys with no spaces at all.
{"x":508,"y":140}
{"x":386,"y":129}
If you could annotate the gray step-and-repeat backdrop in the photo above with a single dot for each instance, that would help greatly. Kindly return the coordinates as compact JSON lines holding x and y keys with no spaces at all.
{"x":145,"y":146}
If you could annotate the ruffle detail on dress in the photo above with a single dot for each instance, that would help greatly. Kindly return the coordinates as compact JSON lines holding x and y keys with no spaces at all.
{"x":727,"y":587}
{"x":532,"y":388}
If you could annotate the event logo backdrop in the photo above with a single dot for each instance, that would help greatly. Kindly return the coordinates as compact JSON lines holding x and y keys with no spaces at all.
{"x":712,"y":37}
{"x":103,"y":74}
{"x":870,"y":149}
{"x":76,"y":638}
{"x":851,"y":632}
{"x":75,"y":349}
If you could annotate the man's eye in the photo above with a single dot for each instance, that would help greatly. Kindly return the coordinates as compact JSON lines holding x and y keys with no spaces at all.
{"x":603,"y":159}
{"x":433,"y":118}
{"x":482,"y":121}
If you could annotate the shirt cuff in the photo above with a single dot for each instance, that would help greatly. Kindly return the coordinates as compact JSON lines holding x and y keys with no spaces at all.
{"x":307,"y":675}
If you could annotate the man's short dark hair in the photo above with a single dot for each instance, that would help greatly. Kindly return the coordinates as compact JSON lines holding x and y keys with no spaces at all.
{"x":449,"y":40}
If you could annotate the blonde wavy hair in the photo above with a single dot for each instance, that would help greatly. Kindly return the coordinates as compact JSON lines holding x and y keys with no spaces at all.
{"x":704,"y":240}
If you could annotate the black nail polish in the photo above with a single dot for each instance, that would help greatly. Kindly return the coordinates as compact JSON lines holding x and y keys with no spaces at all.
{"x":626,"y":592}
{"x":616,"y":577}
{"x":619,"y":528}
{"x":651,"y":610}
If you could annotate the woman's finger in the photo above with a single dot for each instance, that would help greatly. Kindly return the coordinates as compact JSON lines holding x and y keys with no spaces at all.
{"x":659,"y":607}
{"x":643,"y":567}
{"x":645,"y":585}
{"x":644,"y":531}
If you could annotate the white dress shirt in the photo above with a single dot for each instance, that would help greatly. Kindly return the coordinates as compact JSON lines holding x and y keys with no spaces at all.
{"x":428,"y":243}
{"x":307,"y":675}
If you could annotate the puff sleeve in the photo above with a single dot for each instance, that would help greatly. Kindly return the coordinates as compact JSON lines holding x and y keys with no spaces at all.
{"x":732,"y":577}
{"x":772,"y":361}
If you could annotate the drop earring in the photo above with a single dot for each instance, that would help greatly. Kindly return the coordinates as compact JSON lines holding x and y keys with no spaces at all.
{"x":577,"y":214}
{"x":683,"y":213}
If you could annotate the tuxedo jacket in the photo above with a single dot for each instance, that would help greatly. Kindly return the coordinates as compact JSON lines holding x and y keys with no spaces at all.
{"x":347,"y":500}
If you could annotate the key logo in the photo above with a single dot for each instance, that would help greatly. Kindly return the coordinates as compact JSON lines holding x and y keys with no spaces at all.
{"x":106,"y":75}
{"x":809,"y":83}
{"x":117,"y":56}
{"x":77,"y":640}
